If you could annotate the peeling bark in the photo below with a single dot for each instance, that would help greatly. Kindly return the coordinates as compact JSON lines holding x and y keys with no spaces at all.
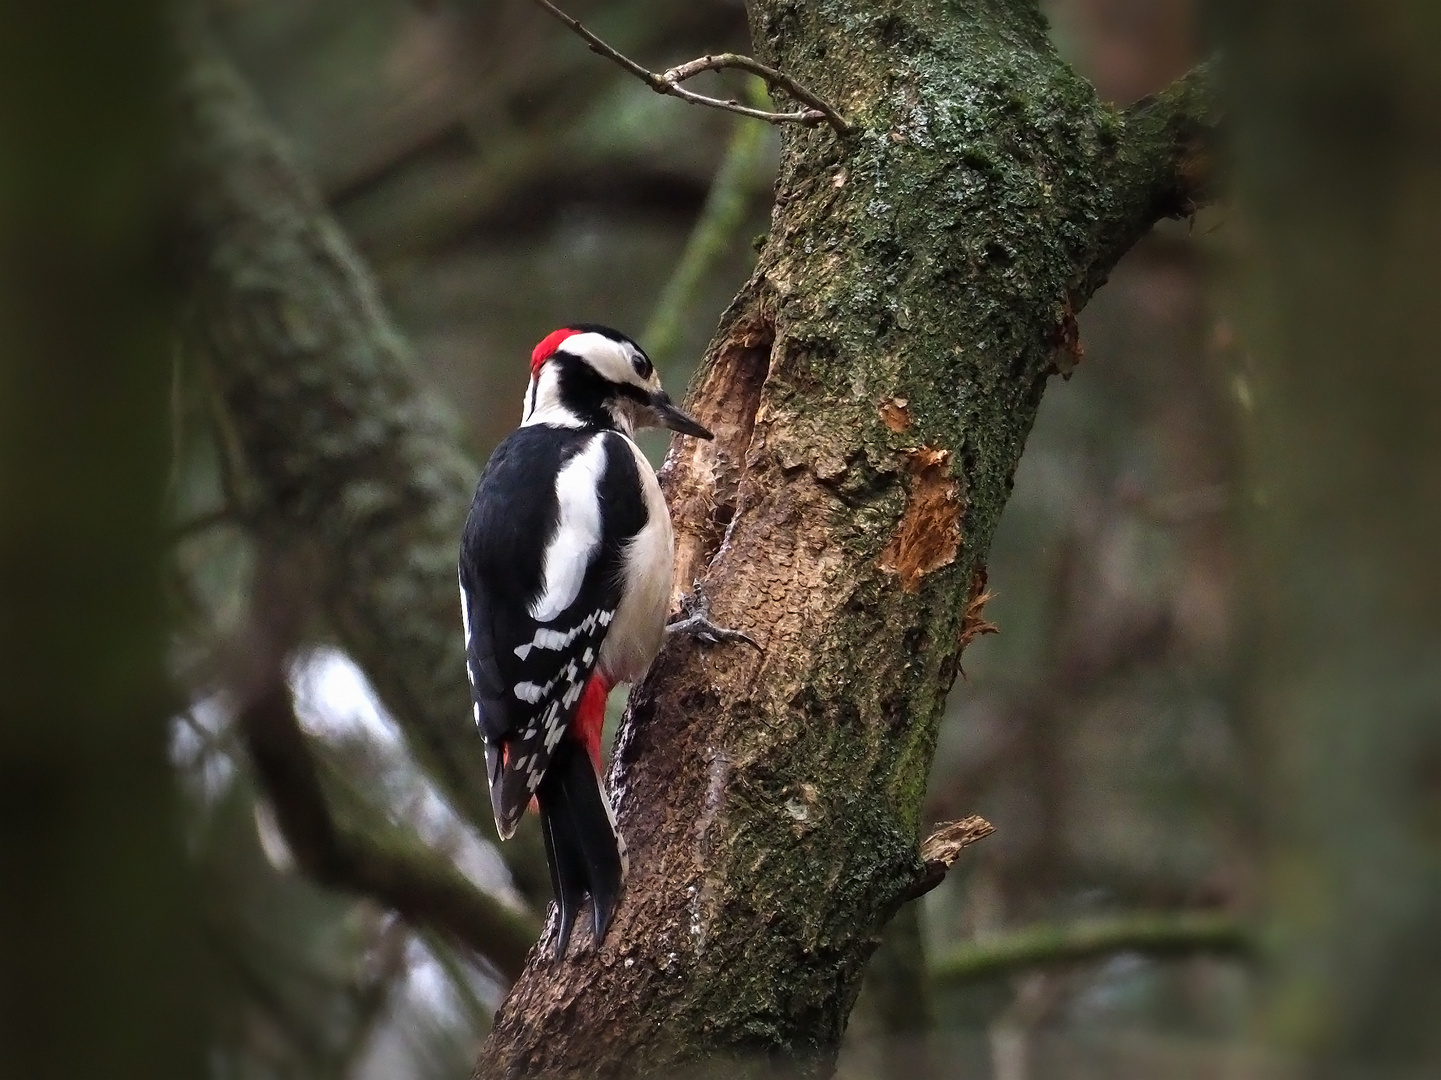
{"x":929,"y":535}
{"x":771,"y":800}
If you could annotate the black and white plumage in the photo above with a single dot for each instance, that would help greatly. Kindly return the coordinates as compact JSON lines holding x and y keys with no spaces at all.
{"x":565,"y":579}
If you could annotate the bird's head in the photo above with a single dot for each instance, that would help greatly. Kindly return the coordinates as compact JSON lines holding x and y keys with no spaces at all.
{"x":589,"y":375}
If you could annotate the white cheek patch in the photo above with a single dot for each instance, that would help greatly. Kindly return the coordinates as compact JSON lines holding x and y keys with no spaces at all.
{"x":577,"y":531}
{"x":611,"y":359}
{"x":543,"y":403}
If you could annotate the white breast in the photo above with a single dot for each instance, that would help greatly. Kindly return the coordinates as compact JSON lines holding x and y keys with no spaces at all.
{"x":649,"y":563}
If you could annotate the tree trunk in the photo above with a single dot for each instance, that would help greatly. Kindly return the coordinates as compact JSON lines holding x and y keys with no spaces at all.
{"x":98,"y":928}
{"x":871,"y":389}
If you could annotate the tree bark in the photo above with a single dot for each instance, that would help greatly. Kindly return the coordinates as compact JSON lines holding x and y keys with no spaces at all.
{"x":871,"y":389}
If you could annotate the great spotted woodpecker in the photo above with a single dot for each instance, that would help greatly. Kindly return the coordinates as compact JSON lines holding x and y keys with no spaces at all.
{"x":565,"y":582}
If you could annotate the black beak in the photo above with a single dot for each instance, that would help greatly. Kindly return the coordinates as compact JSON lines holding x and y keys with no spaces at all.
{"x":675,"y":419}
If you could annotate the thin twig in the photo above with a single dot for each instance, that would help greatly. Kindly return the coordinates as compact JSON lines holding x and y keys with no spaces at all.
{"x":669,"y":82}
{"x":730,"y":196}
{"x":773,"y":78}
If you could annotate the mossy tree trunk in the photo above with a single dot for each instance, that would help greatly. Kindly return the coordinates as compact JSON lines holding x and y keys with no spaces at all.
{"x":871,"y":389}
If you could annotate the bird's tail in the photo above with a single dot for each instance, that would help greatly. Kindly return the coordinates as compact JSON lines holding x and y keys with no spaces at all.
{"x":582,"y":844}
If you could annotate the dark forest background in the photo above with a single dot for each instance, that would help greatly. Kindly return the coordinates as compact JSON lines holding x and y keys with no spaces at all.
{"x":498,"y":180}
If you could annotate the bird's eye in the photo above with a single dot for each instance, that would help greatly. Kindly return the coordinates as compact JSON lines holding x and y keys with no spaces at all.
{"x":642,"y":365}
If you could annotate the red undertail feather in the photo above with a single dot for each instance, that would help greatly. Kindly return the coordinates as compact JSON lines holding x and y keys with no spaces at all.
{"x":590,"y":716}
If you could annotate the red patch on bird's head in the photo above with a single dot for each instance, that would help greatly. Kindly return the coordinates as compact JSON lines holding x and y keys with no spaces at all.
{"x":546,"y":349}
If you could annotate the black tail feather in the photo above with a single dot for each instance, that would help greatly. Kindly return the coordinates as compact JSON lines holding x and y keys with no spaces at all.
{"x":560,"y":854}
{"x":581,"y":844}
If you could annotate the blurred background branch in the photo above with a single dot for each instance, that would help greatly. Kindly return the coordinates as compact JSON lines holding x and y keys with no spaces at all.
{"x":339,"y":436}
{"x":331,"y":839}
{"x":1160,"y":935}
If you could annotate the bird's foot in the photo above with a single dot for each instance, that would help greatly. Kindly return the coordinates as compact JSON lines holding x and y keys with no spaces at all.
{"x":695,"y":621}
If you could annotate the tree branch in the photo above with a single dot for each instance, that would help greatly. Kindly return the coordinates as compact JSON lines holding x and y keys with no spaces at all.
{"x":773,"y":78}
{"x":1175,"y":133}
{"x":381,"y":862}
{"x":1041,"y":946}
{"x":1164,"y":166}
{"x":942,"y":848}
{"x":669,"y":82}
{"x":346,"y":446}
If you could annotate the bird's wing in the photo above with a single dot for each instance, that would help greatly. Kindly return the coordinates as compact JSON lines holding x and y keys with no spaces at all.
{"x":534,"y":625}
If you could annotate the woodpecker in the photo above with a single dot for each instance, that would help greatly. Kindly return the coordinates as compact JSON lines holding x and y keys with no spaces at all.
{"x":566,"y":563}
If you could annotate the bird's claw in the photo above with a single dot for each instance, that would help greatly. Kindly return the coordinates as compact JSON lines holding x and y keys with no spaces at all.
{"x":695,"y":621}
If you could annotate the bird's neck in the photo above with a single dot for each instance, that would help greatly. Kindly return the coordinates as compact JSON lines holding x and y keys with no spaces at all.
{"x":552,"y":398}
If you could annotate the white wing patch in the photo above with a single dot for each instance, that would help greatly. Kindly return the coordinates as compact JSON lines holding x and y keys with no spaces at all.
{"x":555,"y":640}
{"x":577,"y":531}
{"x":465,"y":621}
{"x":573,"y":676}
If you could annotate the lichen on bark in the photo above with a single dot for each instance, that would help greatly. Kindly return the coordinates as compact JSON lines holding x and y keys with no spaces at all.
{"x":771,"y":799}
